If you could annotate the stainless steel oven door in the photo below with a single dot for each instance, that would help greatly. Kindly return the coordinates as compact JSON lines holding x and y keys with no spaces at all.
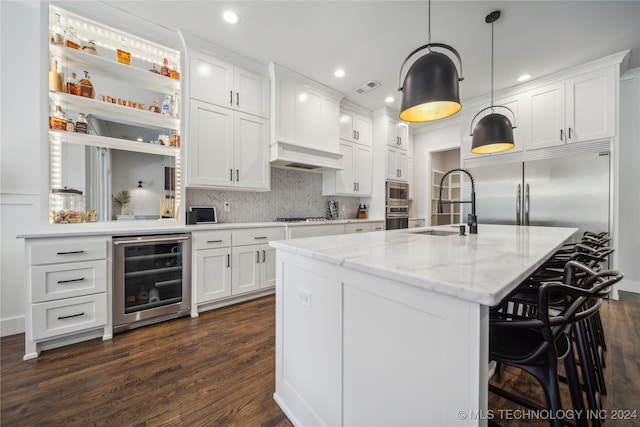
{"x":397,"y":193}
{"x":397,"y":217}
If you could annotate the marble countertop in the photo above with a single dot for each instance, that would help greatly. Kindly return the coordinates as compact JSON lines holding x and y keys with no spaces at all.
{"x":482,"y":267}
{"x":130,"y":228}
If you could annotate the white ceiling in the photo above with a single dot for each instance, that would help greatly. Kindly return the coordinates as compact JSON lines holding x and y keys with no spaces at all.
{"x":370,"y":39}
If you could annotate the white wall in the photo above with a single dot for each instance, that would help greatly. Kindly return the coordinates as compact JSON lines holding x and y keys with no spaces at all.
{"x":440,"y":136}
{"x":628,"y":253}
{"x":22,"y":128}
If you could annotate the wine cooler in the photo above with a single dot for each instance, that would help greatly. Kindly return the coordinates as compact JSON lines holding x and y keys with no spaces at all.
{"x":151,"y":279}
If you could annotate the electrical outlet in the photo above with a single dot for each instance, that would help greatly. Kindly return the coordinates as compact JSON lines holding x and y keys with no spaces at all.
{"x":227,"y":207}
{"x":304,"y":297}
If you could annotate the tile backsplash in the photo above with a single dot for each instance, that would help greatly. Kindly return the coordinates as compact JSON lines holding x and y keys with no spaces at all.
{"x":293,"y":194}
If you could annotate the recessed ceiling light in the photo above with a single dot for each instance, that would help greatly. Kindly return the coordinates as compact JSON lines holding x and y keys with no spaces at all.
{"x":339,"y":73}
{"x":389,"y":99}
{"x":524,"y":77}
{"x":231,"y":17}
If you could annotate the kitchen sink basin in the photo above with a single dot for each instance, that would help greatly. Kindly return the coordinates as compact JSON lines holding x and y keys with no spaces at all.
{"x":435,"y":232}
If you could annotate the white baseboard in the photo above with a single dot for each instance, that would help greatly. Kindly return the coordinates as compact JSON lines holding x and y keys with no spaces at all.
{"x":629,"y":286}
{"x":11,"y":326}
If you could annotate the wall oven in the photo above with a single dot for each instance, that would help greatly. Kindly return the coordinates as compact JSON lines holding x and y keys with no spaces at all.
{"x":397,"y":193}
{"x":151,"y":279}
{"x":397,"y":217}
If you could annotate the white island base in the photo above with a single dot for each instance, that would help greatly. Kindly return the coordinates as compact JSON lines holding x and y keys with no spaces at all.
{"x":365,"y":339}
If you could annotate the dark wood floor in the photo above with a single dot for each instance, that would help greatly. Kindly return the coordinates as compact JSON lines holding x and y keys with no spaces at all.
{"x":218,"y":369}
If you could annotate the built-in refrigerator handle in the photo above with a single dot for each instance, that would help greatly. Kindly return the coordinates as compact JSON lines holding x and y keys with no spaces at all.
{"x":526,"y":204}
{"x":518,"y":205}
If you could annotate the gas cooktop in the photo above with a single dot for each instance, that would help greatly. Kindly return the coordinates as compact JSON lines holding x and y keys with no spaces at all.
{"x":301,"y":219}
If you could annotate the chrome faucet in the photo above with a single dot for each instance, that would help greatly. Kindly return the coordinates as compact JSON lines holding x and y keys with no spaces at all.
{"x":472,"y":219}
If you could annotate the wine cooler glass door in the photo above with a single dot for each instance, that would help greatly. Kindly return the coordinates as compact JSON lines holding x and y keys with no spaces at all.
{"x":151,"y":278}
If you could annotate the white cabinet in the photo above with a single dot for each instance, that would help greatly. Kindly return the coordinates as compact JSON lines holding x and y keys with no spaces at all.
{"x":212,"y":266}
{"x":516,"y":104}
{"x":365,"y":227}
{"x":416,"y":222}
{"x":67,"y":298}
{"x":397,"y":164}
{"x":232,"y":264}
{"x":227,"y":149}
{"x":355,"y":179}
{"x":315,"y":230}
{"x":218,"y":82}
{"x":397,"y":134}
{"x":578,"y":109}
{"x":355,"y":127}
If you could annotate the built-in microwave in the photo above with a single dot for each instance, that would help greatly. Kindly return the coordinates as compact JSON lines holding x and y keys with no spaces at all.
{"x":397,"y":193}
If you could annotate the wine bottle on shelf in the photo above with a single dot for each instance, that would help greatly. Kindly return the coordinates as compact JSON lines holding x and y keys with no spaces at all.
{"x":164,"y":70}
{"x":57,"y":119}
{"x":86,"y":87}
{"x":56,"y":35}
{"x":72,"y":39}
{"x":73,"y":85}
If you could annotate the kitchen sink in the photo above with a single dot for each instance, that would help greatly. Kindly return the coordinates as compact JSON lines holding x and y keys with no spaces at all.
{"x":435,"y":232}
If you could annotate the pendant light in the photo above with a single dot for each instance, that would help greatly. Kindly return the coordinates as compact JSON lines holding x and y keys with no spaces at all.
{"x":430,"y":89}
{"x":494,"y":132}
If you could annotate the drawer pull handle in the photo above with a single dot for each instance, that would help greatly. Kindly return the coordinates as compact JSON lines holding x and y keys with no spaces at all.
{"x":69,"y":253}
{"x":264,"y":255}
{"x":260,"y":238}
{"x":359,"y":229}
{"x":214,"y":241}
{"x":70,"y":316}
{"x":257,"y":257}
{"x":228,"y":260}
{"x":71,"y":280}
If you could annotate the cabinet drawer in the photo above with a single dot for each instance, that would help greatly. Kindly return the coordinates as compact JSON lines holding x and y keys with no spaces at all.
{"x":60,"y":317}
{"x":52,"y":251}
{"x":252,"y":236}
{"x":357,"y":228}
{"x":211,"y":239}
{"x":52,"y":282}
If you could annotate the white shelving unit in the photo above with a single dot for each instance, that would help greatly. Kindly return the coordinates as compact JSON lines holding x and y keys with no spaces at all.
{"x":450,"y":191}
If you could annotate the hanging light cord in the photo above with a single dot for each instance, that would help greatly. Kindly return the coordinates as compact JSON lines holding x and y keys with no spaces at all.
{"x":492,"y":63}
{"x":429,"y":21}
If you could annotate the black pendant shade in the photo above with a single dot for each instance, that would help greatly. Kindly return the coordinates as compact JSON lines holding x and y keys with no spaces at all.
{"x":492,"y":134}
{"x":430,"y":89}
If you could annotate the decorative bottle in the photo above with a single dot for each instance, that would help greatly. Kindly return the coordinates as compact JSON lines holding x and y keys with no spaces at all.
{"x":91,"y":48}
{"x":81,"y":124}
{"x":124,"y":56}
{"x":86,"y":87}
{"x":56,"y":78}
{"x":164,"y":70}
{"x":72,"y":39}
{"x":57,"y":119}
{"x":166,"y":106}
{"x":56,"y":35}
{"x":154,"y":69}
{"x":73,"y":86}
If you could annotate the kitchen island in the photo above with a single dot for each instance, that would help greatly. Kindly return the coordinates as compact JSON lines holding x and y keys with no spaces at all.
{"x":391,"y":328}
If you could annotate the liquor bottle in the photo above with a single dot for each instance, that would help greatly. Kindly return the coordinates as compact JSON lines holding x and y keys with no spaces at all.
{"x":57,"y":119}
{"x":174,"y":73}
{"x":56,"y":35}
{"x":81,"y":124}
{"x":91,"y":48}
{"x":166,"y":106}
{"x":154,"y":108}
{"x":154,"y":69}
{"x":164,"y":70}
{"x":86,"y":87}
{"x":72,"y":39}
{"x":56,"y":78}
{"x":73,"y":86}
{"x":124,"y":56}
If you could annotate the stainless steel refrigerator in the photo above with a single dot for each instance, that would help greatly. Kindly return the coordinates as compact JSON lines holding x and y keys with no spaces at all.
{"x":571,"y":191}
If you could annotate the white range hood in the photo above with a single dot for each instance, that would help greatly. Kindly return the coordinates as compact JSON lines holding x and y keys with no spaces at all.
{"x":305,"y":130}
{"x":291,"y":156}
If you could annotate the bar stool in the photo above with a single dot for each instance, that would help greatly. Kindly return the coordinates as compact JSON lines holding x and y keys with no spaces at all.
{"x":536,"y":335}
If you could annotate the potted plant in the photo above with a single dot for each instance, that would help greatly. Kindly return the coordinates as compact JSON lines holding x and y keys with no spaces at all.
{"x":121,"y":199}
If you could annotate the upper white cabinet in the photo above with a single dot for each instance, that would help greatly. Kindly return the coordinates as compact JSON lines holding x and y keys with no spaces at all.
{"x":397,"y":165}
{"x":578,"y":109}
{"x":397,"y":134}
{"x":228,"y":148}
{"x":355,"y":179}
{"x":221,"y":83}
{"x":355,"y":127}
{"x":305,"y":120}
{"x":228,"y":125}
